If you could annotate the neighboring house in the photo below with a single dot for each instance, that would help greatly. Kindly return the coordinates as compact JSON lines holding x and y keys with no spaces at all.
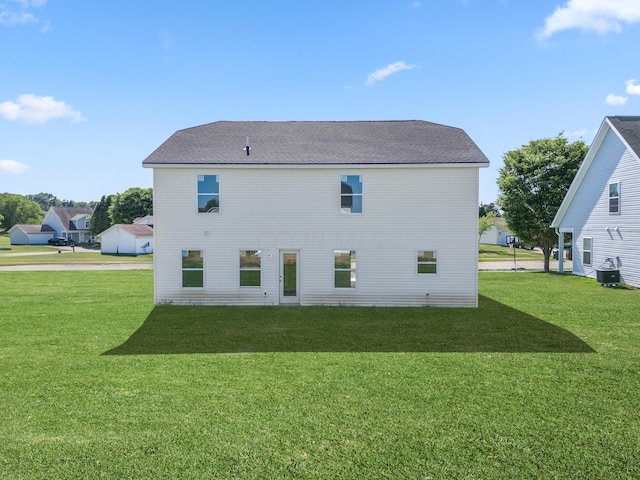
{"x":123,"y":239}
{"x":497,"y":234}
{"x":71,"y":223}
{"x":317,"y":213}
{"x":146,"y":220}
{"x":31,"y":234}
{"x":601,"y":210}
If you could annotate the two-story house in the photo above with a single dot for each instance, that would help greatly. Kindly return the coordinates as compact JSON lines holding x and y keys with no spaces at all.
{"x":71,"y":223}
{"x":601,"y":209}
{"x":317,"y":213}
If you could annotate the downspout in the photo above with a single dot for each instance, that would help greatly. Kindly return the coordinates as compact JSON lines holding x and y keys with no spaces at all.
{"x":560,"y":250}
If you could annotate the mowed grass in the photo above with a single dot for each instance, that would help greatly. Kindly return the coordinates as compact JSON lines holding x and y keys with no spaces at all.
{"x":541,"y":381}
{"x":495,"y":253}
{"x":20,"y":255}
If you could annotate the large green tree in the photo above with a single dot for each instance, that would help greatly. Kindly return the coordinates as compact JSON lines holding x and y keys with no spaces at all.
{"x":16,"y":209}
{"x":533,"y":183}
{"x":132,"y":203}
{"x":100,"y":220}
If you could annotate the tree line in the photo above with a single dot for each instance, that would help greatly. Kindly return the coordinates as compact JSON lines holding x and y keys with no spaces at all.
{"x":111,"y":209}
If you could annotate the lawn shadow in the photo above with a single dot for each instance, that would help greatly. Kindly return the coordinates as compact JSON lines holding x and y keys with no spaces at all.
{"x":493,"y":327}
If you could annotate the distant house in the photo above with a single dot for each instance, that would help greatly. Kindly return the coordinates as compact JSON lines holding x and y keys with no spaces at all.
{"x":31,"y":234}
{"x":122,"y":239}
{"x":317,"y":213}
{"x":497,"y":234}
{"x":601,"y":209}
{"x":71,"y":223}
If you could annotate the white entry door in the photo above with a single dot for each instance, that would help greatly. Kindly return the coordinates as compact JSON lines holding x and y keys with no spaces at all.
{"x":289,"y":276}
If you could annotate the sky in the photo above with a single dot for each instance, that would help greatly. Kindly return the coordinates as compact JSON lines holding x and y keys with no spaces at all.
{"x":89,"y":89}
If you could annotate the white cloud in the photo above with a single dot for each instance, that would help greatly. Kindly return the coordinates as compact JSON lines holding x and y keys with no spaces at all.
{"x":616,"y":99}
{"x":632,"y":88}
{"x":11,"y":166}
{"x":31,"y":108}
{"x":384,"y":72}
{"x":11,"y":14}
{"x":601,"y":16}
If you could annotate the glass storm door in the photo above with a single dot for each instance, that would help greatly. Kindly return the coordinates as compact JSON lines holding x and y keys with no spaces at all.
{"x":289,"y":277}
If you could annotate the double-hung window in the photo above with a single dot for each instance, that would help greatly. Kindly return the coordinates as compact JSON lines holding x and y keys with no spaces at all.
{"x":614,"y":197}
{"x":427,"y":262}
{"x":587,"y":248}
{"x":192,"y":269}
{"x":344,"y":269}
{"x":250,"y":268}
{"x":351,"y":193}
{"x":208,"y":194}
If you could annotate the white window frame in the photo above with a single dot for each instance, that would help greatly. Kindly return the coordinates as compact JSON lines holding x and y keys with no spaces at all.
{"x":617,"y":211}
{"x":183,"y":269}
{"x":352,"y":269}
{"x":589,"y":250}
{"x":420,"y":253}
{"x":199,"y":193}
{"x":249,"y":269}
{"x":349,"y":211}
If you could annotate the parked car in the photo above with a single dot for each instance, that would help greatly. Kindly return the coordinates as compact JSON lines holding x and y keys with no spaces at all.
{"x":59,"y":241}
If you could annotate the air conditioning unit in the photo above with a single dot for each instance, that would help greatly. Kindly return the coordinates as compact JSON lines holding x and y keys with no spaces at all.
{"x":608,"y":276}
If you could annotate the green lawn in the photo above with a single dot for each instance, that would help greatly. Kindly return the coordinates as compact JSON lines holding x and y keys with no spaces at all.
{"x":494,"y":253}
{"x":542,"y":381}
{"x":15,"y":255}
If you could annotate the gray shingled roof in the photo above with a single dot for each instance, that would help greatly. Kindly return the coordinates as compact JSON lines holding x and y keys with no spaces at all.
{"x":319,"y":143}
{"x":68,"y":214}
{"x":138,"y":230}
{"x":629,"y":129}
{"x":36,"y":229}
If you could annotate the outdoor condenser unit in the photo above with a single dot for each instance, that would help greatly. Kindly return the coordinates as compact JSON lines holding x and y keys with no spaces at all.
{"x":608,"y":276}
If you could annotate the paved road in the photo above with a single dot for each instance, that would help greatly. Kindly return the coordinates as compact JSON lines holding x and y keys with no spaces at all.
{"x":524,"y":265}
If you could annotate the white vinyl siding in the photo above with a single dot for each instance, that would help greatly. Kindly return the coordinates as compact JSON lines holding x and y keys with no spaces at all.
{"x":273,"y":209}
{"x":614,"y":236}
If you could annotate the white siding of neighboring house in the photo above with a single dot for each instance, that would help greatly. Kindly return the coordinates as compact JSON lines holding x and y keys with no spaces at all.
{"x":117,"y":240}
{"x":588,"y":214}
{"x":406,"y":209}
{"x":18,"y":237}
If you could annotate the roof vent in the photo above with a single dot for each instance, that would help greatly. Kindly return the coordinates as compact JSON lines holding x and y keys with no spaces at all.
{"x":247,"y":148}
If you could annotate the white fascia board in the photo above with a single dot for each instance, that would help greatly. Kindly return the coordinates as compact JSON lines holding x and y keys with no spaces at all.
{"x":582,"y":171}
{"x":317,"y":166}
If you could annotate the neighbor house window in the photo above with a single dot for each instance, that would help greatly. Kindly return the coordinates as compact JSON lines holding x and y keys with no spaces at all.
{"x":250,"y":268}
{"x":192,"y":269}
{"x":427,"y":262}
{"x":614,"y":197}
{"x":587,"y":244}
{"x":344,"y":269}
{"x":208,"y":194}
{"x":351,"y":194}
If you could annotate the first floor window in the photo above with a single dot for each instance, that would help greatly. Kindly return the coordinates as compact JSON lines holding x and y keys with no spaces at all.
{"x":351,"y":194}
{"x":614,"y":197}
{"x":587,"y":244}
{"x":427,"y":261}
{"x":250,"y":268}
{"x":344,"y":269}
{"x":192,"y":269}
{"x":208,"y":194}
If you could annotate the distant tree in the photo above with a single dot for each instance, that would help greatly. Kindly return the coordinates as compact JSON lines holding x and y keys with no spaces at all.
{"x":533,"y":183}
{"x":485,"y":223}
{"x":45,"y":200}
{"x":16,"y":209}
{"x":100,"y":220}
{"x":132,"y":203}
{"x":488,"y":207}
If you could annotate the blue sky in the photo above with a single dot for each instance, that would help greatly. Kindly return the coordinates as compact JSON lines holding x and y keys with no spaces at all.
{"x":89,"y":89}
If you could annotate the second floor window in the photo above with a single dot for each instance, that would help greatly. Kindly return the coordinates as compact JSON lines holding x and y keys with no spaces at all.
{"x":614,"y":197}
{"x":208,"y":194}
{"x":351,"y":194}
